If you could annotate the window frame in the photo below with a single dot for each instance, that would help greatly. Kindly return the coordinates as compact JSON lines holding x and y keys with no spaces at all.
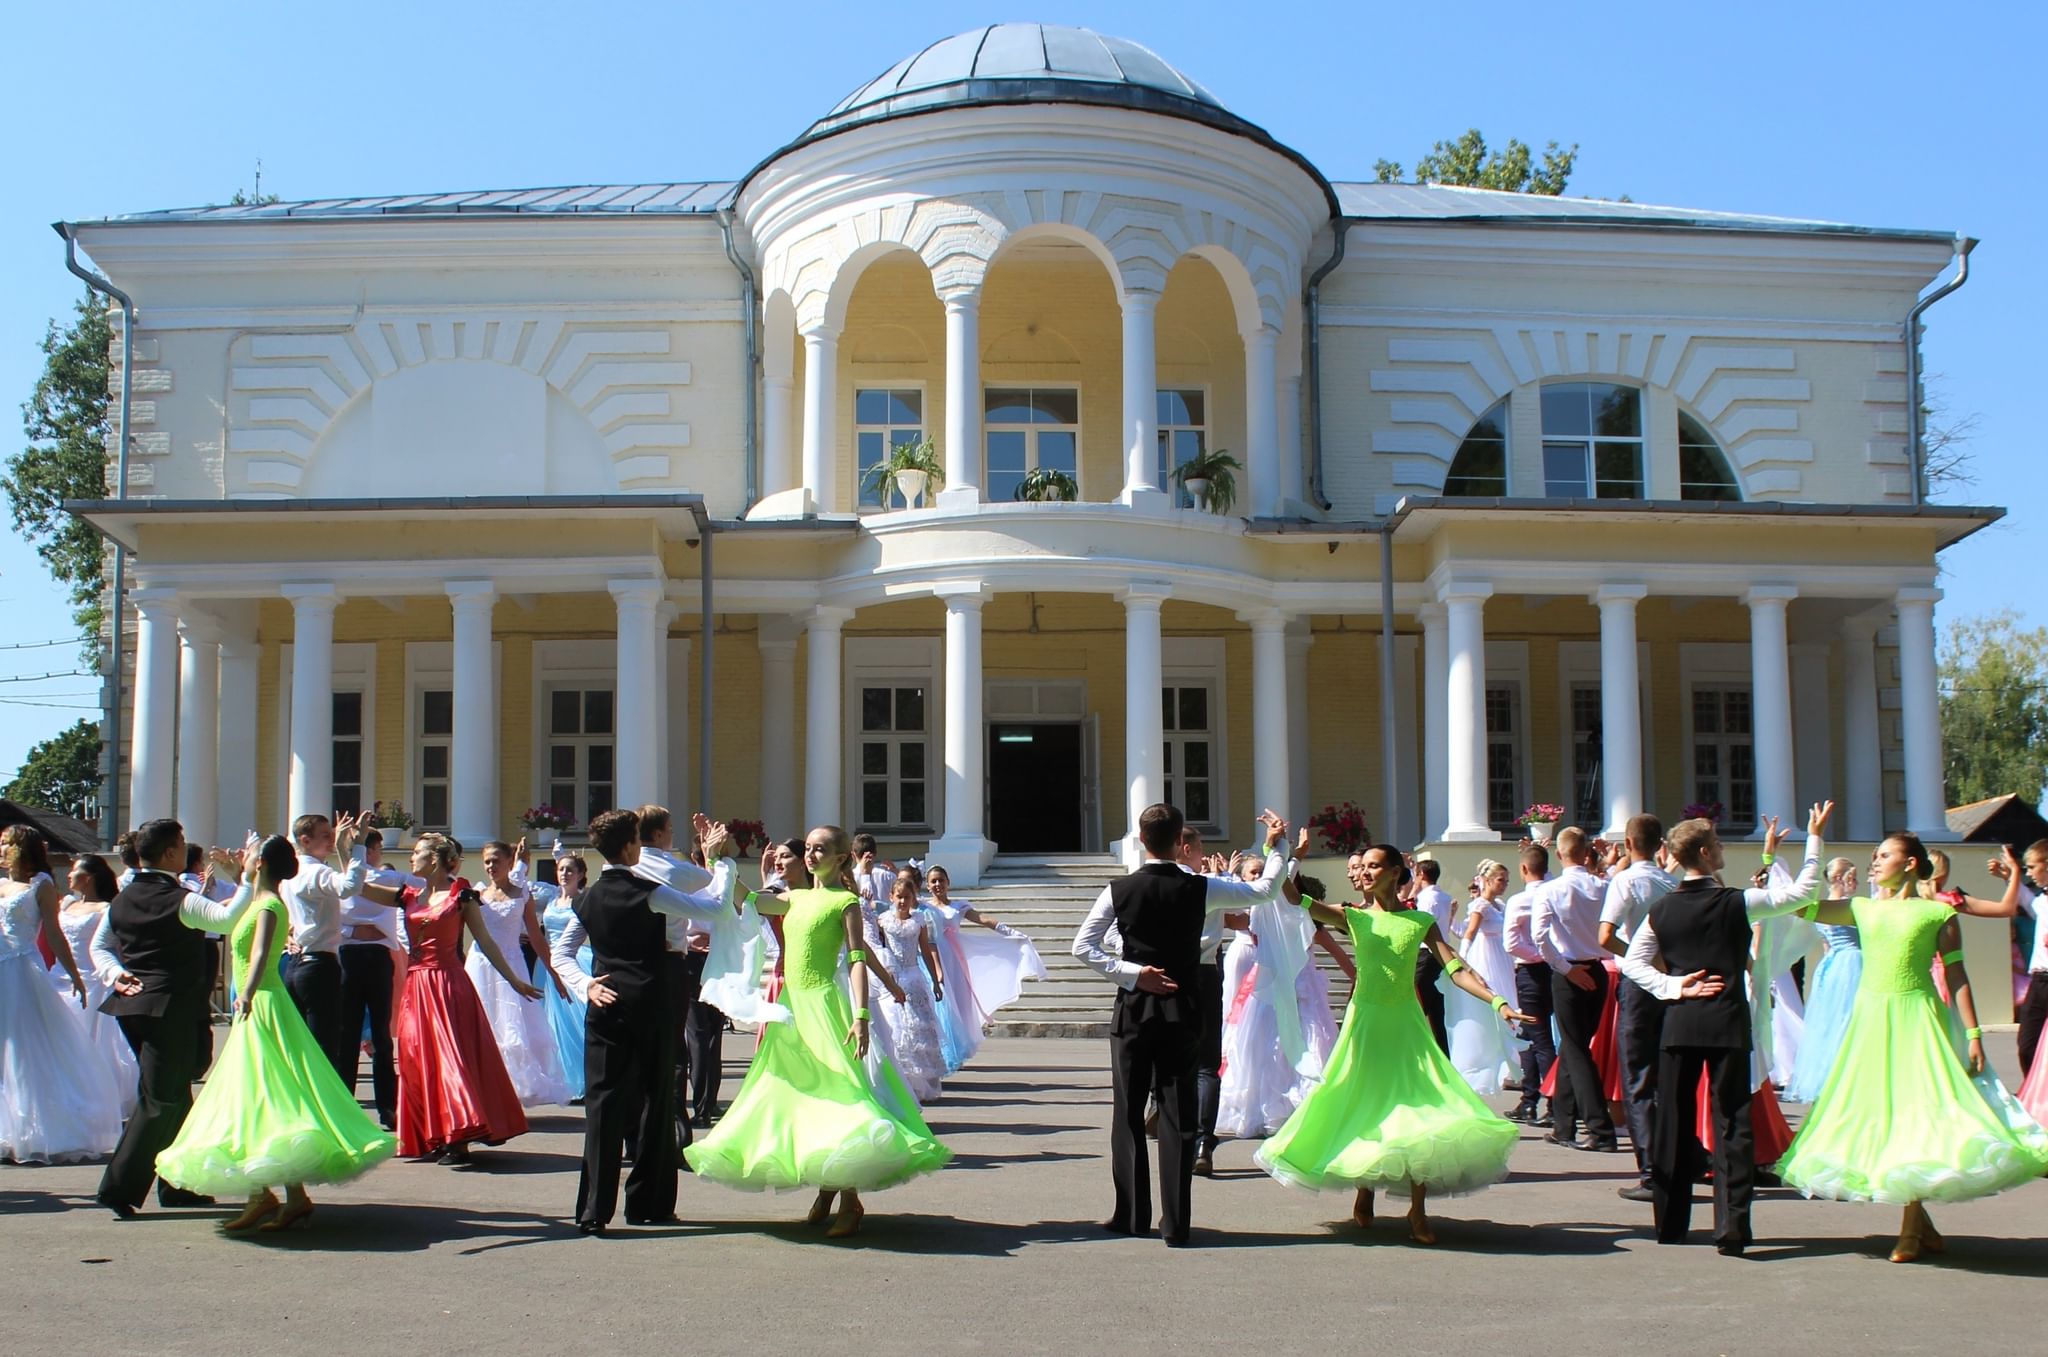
{"x":1507,"y":455}
{"x":1199,"y":661}
{"x":1507,"y":667}
{"x":1164,"y":464}
{"x":430,"y":665}
{"x":1682,"y":418}
{"x":581,"y":780}
{"x":1031,"y":431}
{"x":1720,"y":666}
{"x":893,"y":662}
{"x":1578,"y":665}
{"x":1589,"y":444}
{"x":921,"y":388}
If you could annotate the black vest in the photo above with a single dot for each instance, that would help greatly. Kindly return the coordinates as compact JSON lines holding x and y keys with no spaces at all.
{"x":156,"y":948}
{"x":1160,"y":911}
{"x":1703,"y":927}
{"x":628,"y":940}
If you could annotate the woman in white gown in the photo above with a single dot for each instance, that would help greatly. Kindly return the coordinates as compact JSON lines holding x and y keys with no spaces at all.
{"x":83,"y":915}
{"x":524,"y":1037}
{"x":58,"y":1100}
{"x":1482,"y":1047}
{"x":987,"y":967}
{"x":905,"y":934}
{"x":1277,"y":1027}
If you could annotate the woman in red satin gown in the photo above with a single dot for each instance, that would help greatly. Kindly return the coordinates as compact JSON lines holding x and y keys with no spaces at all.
{"x":452,"y":1084}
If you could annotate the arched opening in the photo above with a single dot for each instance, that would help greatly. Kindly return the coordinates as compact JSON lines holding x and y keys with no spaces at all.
{"x":1703,"y":470}
{"x":1480,"y":467}
{"x":892,"y":352}
{"x":1199,"y":362}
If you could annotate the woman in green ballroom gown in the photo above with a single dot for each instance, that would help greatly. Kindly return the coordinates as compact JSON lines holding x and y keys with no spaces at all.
{"x":1392,"y":1111}
{"x":1899,"y":1119}
{"x":273,"y":1112}
{"x":808,"y":1114}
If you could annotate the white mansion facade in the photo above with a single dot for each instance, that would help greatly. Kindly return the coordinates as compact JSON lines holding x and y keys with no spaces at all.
{"x":1549,"y":499}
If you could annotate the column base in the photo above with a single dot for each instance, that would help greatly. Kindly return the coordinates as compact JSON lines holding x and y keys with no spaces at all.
{"x":965,"y":857}
{"x":1469,"y":834}
{"x":1146,"y":500}
{"x":964,"y":499}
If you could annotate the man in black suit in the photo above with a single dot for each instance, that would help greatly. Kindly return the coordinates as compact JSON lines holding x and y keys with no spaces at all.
{"x":1155,"y":1035}
{"x":157,"y":932}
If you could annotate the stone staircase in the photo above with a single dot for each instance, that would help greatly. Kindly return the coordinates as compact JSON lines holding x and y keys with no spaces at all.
{"x":1046,"y":898}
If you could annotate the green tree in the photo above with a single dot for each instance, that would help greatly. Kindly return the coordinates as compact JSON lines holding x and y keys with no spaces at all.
{"x":1468,"y":163}
{"x":66,"y":458}
{"x":1994,"y":708}
{"x":62,"y":773}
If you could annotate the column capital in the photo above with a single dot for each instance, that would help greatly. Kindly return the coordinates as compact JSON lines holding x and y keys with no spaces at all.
{"x":304,"y":597}
{"x":1261,"y":333}
{"x":1617,"y":594}
{"x":1763,"y":595}
{"x":152,"y":597}
{"x":637,"y":593}
{"x":1145,"y":594}
{"x":1138,"y":299}
{"x":1264,"y":619}
{"x":776,"y":634}
{"x":963,"y":595}
{"x":200,"y":628}
{"x":819,"y":332}
{"x":962,"y":298}
{"x":1863,"y":626}
{"x":1463,"y":591}
{"x":1431,"y":615}
{"x":1913,"y":594}
{"x":471,"y":593}
{"x":666,"y":612}
{"x":826,"y":618}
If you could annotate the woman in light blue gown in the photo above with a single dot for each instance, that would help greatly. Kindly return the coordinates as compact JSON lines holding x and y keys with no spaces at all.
{"x":565,"y":1015}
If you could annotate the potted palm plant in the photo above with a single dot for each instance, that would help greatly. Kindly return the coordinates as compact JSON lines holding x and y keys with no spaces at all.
{"x":909,"y":470}
{"x":1044,"y":483}
{"x":1210,"y":478}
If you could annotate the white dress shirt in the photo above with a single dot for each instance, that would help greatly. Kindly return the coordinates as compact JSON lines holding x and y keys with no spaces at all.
{"x":312,"y":900}
{"x":1514,"y":925}
{"x":1224,"y":894}
{"x":1631,"y":892}
{"x":1441,"y":904}
{"x":2030,"y":901}
{"x":705,"y":906}
{"x":665,"y":868}
{"x":360,"y":910}
{"x":194,"y":911}
{"x":1643,"y":963}
{"x":1564,"y":918}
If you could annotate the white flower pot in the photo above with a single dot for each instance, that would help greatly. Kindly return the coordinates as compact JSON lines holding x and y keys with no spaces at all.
{"x":1198,"y":489}
{"x":394,"y":838}
{"x":1539,"y":830}
{"x":912,"y":486}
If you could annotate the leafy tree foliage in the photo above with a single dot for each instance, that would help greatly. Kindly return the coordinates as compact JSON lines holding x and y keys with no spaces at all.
{"x":1468,"y":163}
{"x":1994,"y":708}
{"x":62,"y":773}
{"x":66,"y":458}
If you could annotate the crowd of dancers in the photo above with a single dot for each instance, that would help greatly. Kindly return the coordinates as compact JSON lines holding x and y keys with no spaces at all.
{"x":1632,"y":993}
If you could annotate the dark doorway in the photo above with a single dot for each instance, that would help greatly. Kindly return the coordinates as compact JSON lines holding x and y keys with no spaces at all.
{"x":1034,"y":788}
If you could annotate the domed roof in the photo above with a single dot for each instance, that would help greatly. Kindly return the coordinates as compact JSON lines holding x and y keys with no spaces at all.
{"x":1028,"y":63}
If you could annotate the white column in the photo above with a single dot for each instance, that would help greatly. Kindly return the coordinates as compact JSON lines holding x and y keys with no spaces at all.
{"x":963,"y":849}
{"x":235,"y":806}
{"x":1813,"y":725}
{"x":1269,"y":708}
{"x":1920,"y":715}
{"x":778,"y":467}
{"x":1621,"y":705}
{"x":152,"y":729}
{"x":1144,"y":719}
{"x":310,"y":788}
{"x":473,"y":764}
{"x":1299,"y":638}
{"x":1465,"y":698}
{"x":1291,"y":485}
{"x":1436,"y":719}
{"x":963,"y":400}
{"x":1862,"y":753}
{"x":637,"y":714}
{"x":821,"y":416}
{"x":777,"y":644}
{"x":1141,"y":403}
{"x":1770,"y":700}
{"x":1262,"y":428}
{"x":823,"y":708}
{"x":1402,"y":823}
{"x":199,"y":727}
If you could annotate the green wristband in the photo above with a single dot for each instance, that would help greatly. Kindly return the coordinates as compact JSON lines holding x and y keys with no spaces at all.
{"x":855,"y":955}
{"x":1499,"y":1004}
{"x":1454,"y":965}
{"x":1769,"y":858}
{"x":860,"y":1015}
{"x":1975,"y":1034}
{"x":1954,"y":958}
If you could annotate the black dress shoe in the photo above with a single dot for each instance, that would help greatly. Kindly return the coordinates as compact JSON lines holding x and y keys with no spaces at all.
{"x":1636,"y":1193}
{"x":122,"y":1210}
{"x":1205,"y":1165}
{"x":670,"y":1219}
{"x":1598,"y":1144}
{"x":589,"y":1227}
{"x":178,"y":1196}
{"x":1117,"y":1227}
{"x":1568,"y":1142}
{"x":1522,"y":1114}
{"x":1546,"y":1120}
{"x":1177,"y":1241}
{"x":1730,"y":1248}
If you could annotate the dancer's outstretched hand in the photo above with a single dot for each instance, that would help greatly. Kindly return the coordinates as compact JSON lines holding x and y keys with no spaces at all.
{"x":600,"y":995}
{"x":1152,"y":980}
{"x":857,"y":1035}
{"x":1817,"y":818}
{"x":1774,"y":834}
{"x":1700,"y":985}
{"x":1516,"y":1016}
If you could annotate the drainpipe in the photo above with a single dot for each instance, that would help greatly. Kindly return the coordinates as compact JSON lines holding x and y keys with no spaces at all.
{"x":1390,"y":780}
{"x":753,"y":350}
{"x":110,"y":715}
{"x":1312,"y":301}
{"x":1916,"y":419}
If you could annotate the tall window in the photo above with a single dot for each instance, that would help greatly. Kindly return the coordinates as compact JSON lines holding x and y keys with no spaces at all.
{"x":1724,"y":752}
{"x":1190,"y":740}
{"x":348,"y":753}
{"x":895,"y":746}
{"x":580,"y":751}
{"x":884,"y":420}
{"x":1028,"y":430}
{"x":1503,"y":754}
{"x":436,"y":738}
{"x":1183,"y":434}
{"x":1592,"y":441}
{"x":1703,"y":470}
{"x":1589,"y":806}
{"x":1481,"y":464}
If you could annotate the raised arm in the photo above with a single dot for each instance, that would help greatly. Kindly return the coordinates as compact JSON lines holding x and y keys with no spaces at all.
{"x":1768,"y":901}
{"x":215,"y":916}
{"x":2007,"y":904}
{"x":1327,"y":915}
{"x":707,"y":906}
{"x":1467,"y":979}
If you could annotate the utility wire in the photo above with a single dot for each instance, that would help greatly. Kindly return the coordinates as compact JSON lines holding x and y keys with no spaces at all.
{"x":45,"y":645}
{"x":38,"y":678}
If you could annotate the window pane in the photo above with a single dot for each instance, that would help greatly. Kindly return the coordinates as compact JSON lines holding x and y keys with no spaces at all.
{"x":598,"y":761}
{"x":1169,"y":710}
{"x":565,"y":712}
{"x":910,"y":760}
{"x":1619,"y":470}
{"x":1006,"y":407}
{"x":434,"y":805}
{"x":874,"y":758}
{"x":1500,"y":717}
{"x":1195,"y":758}
{"x":437,"y":712}
{"x":1738,"y":711}
{"x":1704,"y":474}
{"x":869,"y":446}
{"x":912,"y":798}
{"x":1706,"y":712}
{"x":1056,"y":407}
{"x":1006,"y":451}
{"x":910,"y":709}
{"x":348,"y":761}
{"x":1706,"y":762}
{"x":434,"y":760}
{"x":1564,"y":470}
{"x":1617,"y":411}
{"x":595,"y":803}
{"x":597,"y":712}
{"x":1056,"y":451}
{"x":1480,"y":468}
{"x":563,"y":794}
{"x":348,"y":714}
{"x":1194,"y":709}
{"x":562,"y":763}
{"x":1567,"y":409}
{"x":906,"y":407}
{"x":1197,"y":808}
{"x":348,"y":798}
{"x":1167,"y":749}
{"x":1004,"y":485}
{"x":871,"y":407}
{"x":874,"y":709}
{"x":874,"y":803}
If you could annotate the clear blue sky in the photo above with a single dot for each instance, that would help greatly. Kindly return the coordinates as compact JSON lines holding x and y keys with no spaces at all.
{"x":1867,"y":114}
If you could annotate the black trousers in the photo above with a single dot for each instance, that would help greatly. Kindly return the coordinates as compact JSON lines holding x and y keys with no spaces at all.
{"x":1209,"y":1060}
{"x":1680,"y":1156}
{"x":1428,"y":967}
{"x":366,"y":981}
{"x":685,"y":978}
{"x":203,"y":1052}
{"x":704,"y":1047}
{"x":1539,"y":1053}
{"x":1642,"y":1040}
{"x":629,"y":1067}
{"x":1581,"y":1094}
{"x":167,"y":1051}
{"x":1153,"y":1044}
{"x":2032,"y":1016}
{"x":315,"y":987}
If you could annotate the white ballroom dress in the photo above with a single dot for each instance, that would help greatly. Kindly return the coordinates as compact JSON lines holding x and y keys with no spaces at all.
{"x":525,"y":1038}
{"x":1483,"y":1048}
{"x":1277,"y":1024}
{"x":101,"y":1030}
{"x":914,"y":1040}
{"x":58,"y":1099}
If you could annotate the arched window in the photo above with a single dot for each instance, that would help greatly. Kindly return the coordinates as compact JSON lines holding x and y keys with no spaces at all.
{"x":1703,"y":470}
{"x":1592,"y":441}
{"x":1481,"y":465}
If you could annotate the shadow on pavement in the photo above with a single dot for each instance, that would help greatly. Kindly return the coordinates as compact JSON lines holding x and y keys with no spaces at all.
{"x":942,"y":1129}
{"x":990,"y":1161}
{"x":40,"y":1203}
{"x":2001,"y":1257}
